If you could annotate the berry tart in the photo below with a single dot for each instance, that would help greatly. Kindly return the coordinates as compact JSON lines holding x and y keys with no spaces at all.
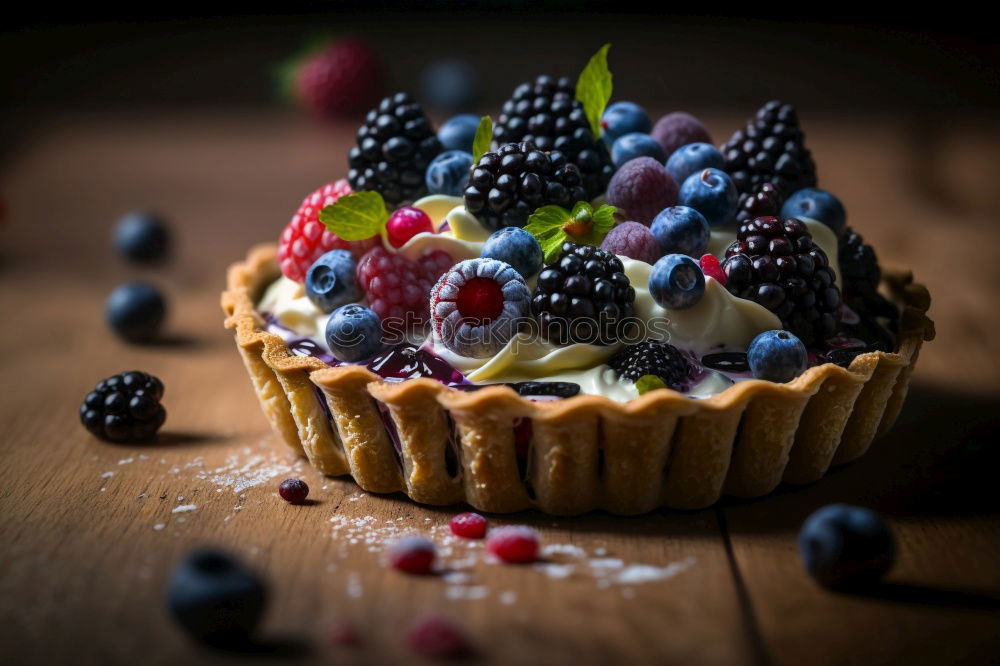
{"x":531,"y":323}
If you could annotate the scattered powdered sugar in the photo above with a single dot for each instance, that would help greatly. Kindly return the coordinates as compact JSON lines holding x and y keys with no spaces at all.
{"x":184,"y":508}
{"x":508,"y":597}
{"x":107,"y":475}
{"x":159,"y":526}
{"x":563,"y":549}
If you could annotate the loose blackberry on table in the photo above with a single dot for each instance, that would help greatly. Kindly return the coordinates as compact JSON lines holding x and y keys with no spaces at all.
{"x":776,"y":263}
{"x":507,"y":186}
{"x":584,"y":296}
{"x":659,"y":359}
{"x":770,"y":149}
{"x":547,"y":114}
{"x":395,"y":145}
{"x":124,"y":407}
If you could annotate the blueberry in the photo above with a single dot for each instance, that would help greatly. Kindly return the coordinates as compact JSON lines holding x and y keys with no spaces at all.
{"x":135,"y":311}
{"x":817,"y":205}
{"x":448,"y":173}
{"x":450,"y":83}
{"x":516,"y":247}
{"x":354,"y":333}
{"x":777,"y":356}
{"x":623,"y":118}
{"x":676,"y":282}
{"x":330,"y":281}
{"x":692,"y":158}
{"x":844,"y":546}
{"x":635,"y":144}
{"x":458,"y":132}
{"x":142,"y":238}
{"x":681,"y":230}
{"x":215,"y":599}
{"x":711,"y":193}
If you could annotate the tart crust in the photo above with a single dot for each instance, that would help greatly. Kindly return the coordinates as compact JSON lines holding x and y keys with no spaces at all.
{"x":587,"y":452}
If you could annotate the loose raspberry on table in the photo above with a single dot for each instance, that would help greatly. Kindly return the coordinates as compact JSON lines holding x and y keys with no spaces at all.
{"x":515,"y":543}
{"x":413,"y":554}
{"x":468,"y":525}
{"x":398,"y":287}
{"x":437,"y":637}
{"x":306,"y":239}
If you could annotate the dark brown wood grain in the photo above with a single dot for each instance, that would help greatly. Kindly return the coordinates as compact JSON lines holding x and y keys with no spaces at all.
{"x":85,"y":554}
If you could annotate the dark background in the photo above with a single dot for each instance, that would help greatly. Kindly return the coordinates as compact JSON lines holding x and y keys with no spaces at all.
{"x":918,"y":63}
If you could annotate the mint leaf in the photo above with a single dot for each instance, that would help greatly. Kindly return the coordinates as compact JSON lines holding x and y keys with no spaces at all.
{"x":545,"y":224}
{"x":647,"y":383}
{"x":357,"y":216}
{"x":481,"y":142}
{"x":593,"y":88}
{"x":552,"y":226}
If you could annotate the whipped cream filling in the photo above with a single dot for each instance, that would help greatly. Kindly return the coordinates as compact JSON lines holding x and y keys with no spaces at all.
{"x":718,"y":322}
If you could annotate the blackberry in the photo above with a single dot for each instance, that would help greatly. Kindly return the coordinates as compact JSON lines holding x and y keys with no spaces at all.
{"x":763,"y":201}
{"x":507,"y":186}
{"x":124,"y":407}
{"x":860,"y":276}
{"x":584,"y":297}
{"x":653,"y":358}
{"x":776,"y":263}
{"x":770,"y":149}
{"x":395,"y":145}
{"x":547,"y":114}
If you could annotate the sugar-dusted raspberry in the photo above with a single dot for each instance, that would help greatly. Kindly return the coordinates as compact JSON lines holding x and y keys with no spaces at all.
{"x":514,"y":543}
{"x":711,"y":267}
{"x":413,"y":554}
{"x":398,"y":287}
{"x":437,"y":637}
{"x":468,"y":525}
{"x":306,"y":239}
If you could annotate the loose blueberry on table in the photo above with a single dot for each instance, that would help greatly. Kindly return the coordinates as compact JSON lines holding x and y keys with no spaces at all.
{"x":846,"y":546}
{"x":135,"y":311}
{"x":215,"y":599}
{"x":142,"y":238}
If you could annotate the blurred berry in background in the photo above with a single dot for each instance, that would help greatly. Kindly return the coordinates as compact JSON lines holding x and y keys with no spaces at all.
{"x":450,"y":85}
{"x":334,"y":79}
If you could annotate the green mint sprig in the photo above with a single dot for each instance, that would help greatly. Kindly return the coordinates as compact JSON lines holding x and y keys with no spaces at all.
{"x":553,"y":225}
{"x":357,"y":216}
{"x":647,"y":383}
{"x":593,"y":88}
{"x":481,"y":142}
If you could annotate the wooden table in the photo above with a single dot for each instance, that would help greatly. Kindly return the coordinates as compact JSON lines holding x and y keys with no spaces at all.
{"x":91,"y":530}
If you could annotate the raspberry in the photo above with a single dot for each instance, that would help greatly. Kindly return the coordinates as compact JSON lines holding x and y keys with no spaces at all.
{"x":397,"y":286}
{"x":437,"y":637}
{"x":344,"y":633}
{"x":679,"y":129}
{"x":515,"y":543}
{"x":340,"y":79}
{"x":632,"y":240}
{"x":413,"y":554}
{"x":294,"y":491}
{"x":711,"y":267}
{"x":306,"y":239}
{"x":468,"y":525}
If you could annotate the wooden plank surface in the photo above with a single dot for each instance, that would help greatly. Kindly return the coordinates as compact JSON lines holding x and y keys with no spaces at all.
{"x":90,"y":530}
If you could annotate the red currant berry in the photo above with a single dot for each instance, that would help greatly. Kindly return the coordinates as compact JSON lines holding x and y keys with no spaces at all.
{"x":437,"y":637}
{"x":293,"y":490}
{"x":406,"y":223}
{"x":711,"y":268}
